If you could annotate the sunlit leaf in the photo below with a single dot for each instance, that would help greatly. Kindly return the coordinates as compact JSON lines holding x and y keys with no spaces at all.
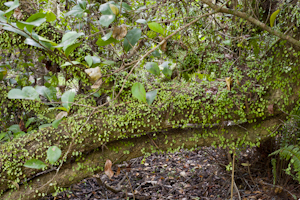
{"x":53,"y":154}
{"x":35,"y":164}
{"x":139,"y":92}
{"x":67,"y":99}
{"x":106,"y":20}
{"x":156,"y":27}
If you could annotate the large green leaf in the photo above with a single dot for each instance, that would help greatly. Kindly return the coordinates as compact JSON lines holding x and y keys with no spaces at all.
{"x":50,"y":16}
{"x":107,"y":36}
{"x":49,"y":93}
{"x":76,"y":11}
{"x":106,"y":20}
{"x":156,"y":27}
{"x":131,"y":38}
{"x":55,"y":123}
{"x":67,"y":99}
{"x":126,"y":6}
{"x":153,"y":68}
{"x":150,"y":96}
{"x":31,"y":42}
{"x":27,"y":92}
{"x":273,"y":17}
{"x":35,"y":164}
{"x":71,"y":48}
{"x":14,"y":128}
{"x":101,"y":42}
{"x":13,"y":6}
{"x":12,"y":29}
{"x":53,"y":154}
{"x":139,"y":92}
{"x":105,"y":9}
{"x":69,"y":38}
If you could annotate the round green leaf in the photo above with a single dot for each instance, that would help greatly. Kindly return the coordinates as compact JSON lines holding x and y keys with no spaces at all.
{"x":106,"y":20}
{"x":35,"y":164}
{"x":67,"y":99}
{"x":150,"y":96}
{"x":14,"y":128}
{"x":53,"y":154}
{"x":156,"y":27}
{"x":139,"y":92}
{"x":30,"y":93}
{"x":16,"y":94}
{"x":153,"y":68}
{"x":131,"y":38}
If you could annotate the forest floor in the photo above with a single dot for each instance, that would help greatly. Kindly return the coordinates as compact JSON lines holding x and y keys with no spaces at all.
{"x":199,"y":174}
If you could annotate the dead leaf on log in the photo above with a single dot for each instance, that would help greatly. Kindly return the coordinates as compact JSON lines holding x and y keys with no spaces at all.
{"x":107,"y":168}
{"x":119,"y":32}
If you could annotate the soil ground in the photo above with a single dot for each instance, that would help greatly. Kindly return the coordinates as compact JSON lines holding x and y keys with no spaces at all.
{"x":188,"y":175}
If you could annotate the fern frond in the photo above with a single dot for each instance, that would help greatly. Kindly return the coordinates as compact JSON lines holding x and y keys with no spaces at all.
{"x":291,"y":153}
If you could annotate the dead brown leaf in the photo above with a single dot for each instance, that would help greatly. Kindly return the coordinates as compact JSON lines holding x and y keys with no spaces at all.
{"x":119,"y":32}
{"x":107,"y":168}
{"x":228,"y":82}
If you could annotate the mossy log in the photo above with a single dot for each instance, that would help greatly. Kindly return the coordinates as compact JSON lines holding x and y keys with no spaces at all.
{"x":132,"y":129}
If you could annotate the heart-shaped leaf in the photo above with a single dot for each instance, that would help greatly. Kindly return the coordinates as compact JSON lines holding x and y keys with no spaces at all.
{"x":139,"y":92}
{"x":153,"y":68}
{"x":35,"y":164}
{"x":53,"y":154}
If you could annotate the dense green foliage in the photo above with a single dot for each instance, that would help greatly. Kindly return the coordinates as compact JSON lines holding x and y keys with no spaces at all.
{"x":118,"y":67}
